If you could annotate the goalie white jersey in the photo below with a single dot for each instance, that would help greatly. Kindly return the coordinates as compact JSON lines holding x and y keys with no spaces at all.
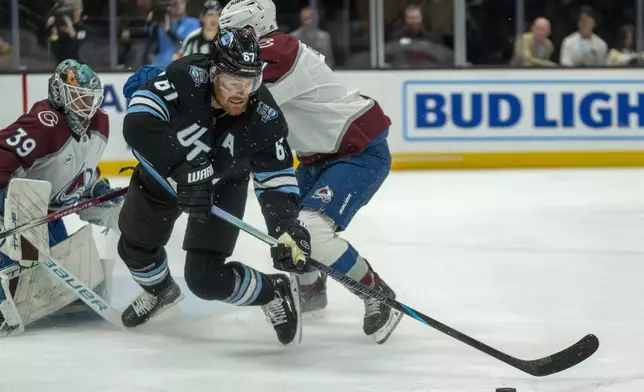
{"x":40,"y":145}
{"x":326,"y":119}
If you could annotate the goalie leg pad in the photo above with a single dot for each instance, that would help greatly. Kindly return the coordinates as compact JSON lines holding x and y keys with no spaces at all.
{"x":10,"y":321}
{"x":38,"y":295}
{"x":26,"y":200}
{"x":72,"y":267}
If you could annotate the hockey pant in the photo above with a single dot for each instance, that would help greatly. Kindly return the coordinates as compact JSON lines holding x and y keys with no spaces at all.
{"x":146,"y":222}
{"x":332,"y":195}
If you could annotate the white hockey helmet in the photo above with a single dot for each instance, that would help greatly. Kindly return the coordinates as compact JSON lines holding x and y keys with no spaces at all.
{"x":258,"y":14}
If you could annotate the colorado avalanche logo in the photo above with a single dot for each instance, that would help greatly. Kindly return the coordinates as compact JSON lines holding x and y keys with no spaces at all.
{"x":72,"y":191}
{"x":325,"y":194}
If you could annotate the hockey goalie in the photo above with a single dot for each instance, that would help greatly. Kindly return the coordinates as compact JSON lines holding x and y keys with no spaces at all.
{"x":48,"y":161}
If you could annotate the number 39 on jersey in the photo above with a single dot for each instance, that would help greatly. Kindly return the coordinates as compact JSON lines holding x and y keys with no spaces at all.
{"x":22,"y":142}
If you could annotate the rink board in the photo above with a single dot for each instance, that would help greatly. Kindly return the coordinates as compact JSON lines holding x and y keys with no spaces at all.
{"x":455,"y":119}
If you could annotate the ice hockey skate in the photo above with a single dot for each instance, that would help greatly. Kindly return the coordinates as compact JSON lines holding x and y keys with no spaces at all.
{"x":313,"y":297}
{"x":284,"y":310}
{"x":379,"y":319}
{"x":147,"y":305}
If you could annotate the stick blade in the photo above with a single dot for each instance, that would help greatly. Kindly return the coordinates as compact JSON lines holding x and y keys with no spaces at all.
{"x":562,"y":360}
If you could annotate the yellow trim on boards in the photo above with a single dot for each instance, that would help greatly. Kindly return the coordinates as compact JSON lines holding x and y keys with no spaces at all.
{"x":477,"y":160}
{"x":517,"y":160}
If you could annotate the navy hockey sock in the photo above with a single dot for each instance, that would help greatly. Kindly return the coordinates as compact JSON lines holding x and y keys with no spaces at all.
{"x":252,"y":288}
{"x":153,"y":278}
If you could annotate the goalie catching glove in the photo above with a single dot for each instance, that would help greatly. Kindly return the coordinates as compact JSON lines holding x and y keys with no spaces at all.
{"x":291,"y":253}
{"x":105,"y":214}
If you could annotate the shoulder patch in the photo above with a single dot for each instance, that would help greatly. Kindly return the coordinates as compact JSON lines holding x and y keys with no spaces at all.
{"x":268,"y":113}
{"x":48,"y":118}
{"x":198,"y":75}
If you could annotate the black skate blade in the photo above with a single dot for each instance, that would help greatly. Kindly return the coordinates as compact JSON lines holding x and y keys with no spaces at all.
{"x":168,"y":312}
{"x":318,"y":314}
{"x":295,"y":292}
{"x":381,"y":335}
{"x":163,"y":314}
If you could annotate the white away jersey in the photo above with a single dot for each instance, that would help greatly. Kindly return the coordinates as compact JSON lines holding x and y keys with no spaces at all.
{"x":326,"y":119}
{"x":39,"y":145}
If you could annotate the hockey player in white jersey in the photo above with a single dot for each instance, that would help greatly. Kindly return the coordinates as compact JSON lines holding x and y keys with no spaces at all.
{"x":340,"y":137}
{"x":60,"y":140}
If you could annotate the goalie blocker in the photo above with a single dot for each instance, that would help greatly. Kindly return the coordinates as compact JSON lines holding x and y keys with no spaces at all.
{"x":27,"y":291}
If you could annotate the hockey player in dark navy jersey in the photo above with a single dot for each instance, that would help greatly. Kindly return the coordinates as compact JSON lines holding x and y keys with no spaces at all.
{"x":200,"y":131}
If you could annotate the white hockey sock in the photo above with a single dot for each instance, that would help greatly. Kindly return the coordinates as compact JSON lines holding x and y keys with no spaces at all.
{"x":308,"y":278}
{"x":332,"y":250}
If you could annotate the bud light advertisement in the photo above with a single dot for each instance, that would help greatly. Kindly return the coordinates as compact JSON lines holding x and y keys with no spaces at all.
{"x":523,"y":110}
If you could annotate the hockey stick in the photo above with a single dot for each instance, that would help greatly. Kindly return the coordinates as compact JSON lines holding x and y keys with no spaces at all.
{"x":77,"y":286}
{"x":545,"y":366}
{"x":67,"y":211}
{"x":84,"y":292}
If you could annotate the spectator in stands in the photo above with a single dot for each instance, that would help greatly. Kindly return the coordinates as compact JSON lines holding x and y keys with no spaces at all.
{"x":199,"y":40}
{"x":622,"y":53}
{"x":413,"y":27}
{"x":134,"y":32}
{"x":5,"y":55}
{"x":313,"y":36}
{"x":58,"y":4}
{"x":439,"y":15}
{"x":66,"y":29}
{"x":412,"y":46}
{"x":534,"y":48}
{"x":583,"y":47}
{"x":169,"y":27}
{"x":51,"y":14}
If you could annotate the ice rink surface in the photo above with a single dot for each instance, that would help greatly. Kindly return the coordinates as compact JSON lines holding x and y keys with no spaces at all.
{"x":526,"y":261}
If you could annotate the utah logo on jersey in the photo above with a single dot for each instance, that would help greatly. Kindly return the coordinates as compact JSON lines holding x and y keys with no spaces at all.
{"x":267,"y":112}
{"x":198,"y":75}
{"x":72,"y":192}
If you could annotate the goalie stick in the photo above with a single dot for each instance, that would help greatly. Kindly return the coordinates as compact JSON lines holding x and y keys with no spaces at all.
{"x":84,"y":292}
{"x":545,"y":366}
{"x":61,"y":213}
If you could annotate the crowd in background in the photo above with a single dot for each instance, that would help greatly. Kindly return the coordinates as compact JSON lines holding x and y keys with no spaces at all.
{"x":418,"y":33}
{"x":581,"y":48}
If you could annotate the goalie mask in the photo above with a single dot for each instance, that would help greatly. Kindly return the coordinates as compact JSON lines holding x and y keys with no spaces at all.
{"x":76,"y":89}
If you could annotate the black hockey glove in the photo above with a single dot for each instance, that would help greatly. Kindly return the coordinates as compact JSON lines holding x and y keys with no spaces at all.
{"x":291,"y":253}
{"x":194,"y":186}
